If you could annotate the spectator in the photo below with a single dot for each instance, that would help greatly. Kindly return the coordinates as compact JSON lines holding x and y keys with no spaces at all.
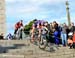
{"x":72,"y":29}
{"x":9,"y":36}
{"x":70,"y":42}
{"x":55,"y":25}
{"x":64,"y":34}
{"x":51,"y":28}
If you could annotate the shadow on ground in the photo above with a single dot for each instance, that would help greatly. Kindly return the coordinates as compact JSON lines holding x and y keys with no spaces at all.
{"x":51,"y":47}
{"x":6,"y":48}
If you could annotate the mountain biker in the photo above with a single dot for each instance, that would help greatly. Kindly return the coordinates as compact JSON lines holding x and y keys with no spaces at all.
{"x":44,"y":31}
{"x":18,"y":26}
{"x":33,"y":31}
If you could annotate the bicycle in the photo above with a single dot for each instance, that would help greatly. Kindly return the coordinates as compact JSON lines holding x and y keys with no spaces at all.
{"x":46,"y":42}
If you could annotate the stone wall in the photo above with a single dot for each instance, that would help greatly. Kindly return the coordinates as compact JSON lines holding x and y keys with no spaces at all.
{"x":2,"y":17}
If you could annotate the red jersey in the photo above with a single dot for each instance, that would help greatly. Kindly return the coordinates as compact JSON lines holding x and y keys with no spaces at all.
{"x":18,"y":25}
{"x":74,"y":38}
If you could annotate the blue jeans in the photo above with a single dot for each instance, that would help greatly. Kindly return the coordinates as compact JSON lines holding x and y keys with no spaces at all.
{"x":64,"y":39}
{"x":56,"y":37}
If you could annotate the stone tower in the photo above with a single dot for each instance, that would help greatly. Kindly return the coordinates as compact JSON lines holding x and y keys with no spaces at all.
{"x":2,"y":17}
{"x":68,"y":13}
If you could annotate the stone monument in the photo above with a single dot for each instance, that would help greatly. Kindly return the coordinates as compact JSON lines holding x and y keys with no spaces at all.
{"x":2,"y":17}
{"x":68,"y":13}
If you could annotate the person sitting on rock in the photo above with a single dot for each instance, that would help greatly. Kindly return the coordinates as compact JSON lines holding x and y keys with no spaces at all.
{"x":70,"y":42}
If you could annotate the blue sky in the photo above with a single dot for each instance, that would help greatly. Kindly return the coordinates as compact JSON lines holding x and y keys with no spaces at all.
{"x":28,"y":10}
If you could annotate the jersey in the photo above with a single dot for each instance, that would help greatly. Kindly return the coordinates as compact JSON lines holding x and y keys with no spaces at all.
{"x":44,"y":30}
{"x":18,"y":25}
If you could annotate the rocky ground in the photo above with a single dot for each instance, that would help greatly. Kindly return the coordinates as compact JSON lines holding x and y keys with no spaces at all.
{"x":24,"y":49}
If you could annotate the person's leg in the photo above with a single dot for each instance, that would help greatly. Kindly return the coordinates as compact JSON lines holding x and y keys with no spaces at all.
{"x":65,"y":37}
{"x":32,"y":38}
{"x":70,"y":45}
{"x":62,"y":37}
{"x":20,"y":34}
{"x":15,"y":34}
{"x":74,"y":45}
{"x":57,"y":40}
{"x":55,"y":36}
{"x":44,"y":38}
{"x":15,"y":31}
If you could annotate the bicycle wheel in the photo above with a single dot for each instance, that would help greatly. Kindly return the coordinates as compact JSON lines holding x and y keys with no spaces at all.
{"x":42,"y":43}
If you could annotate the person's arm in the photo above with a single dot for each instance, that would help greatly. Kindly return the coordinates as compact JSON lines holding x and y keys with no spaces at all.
{"x":46,"y":28}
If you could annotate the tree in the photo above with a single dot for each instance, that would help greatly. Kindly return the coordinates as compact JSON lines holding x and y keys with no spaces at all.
{"x":28,"y":26}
